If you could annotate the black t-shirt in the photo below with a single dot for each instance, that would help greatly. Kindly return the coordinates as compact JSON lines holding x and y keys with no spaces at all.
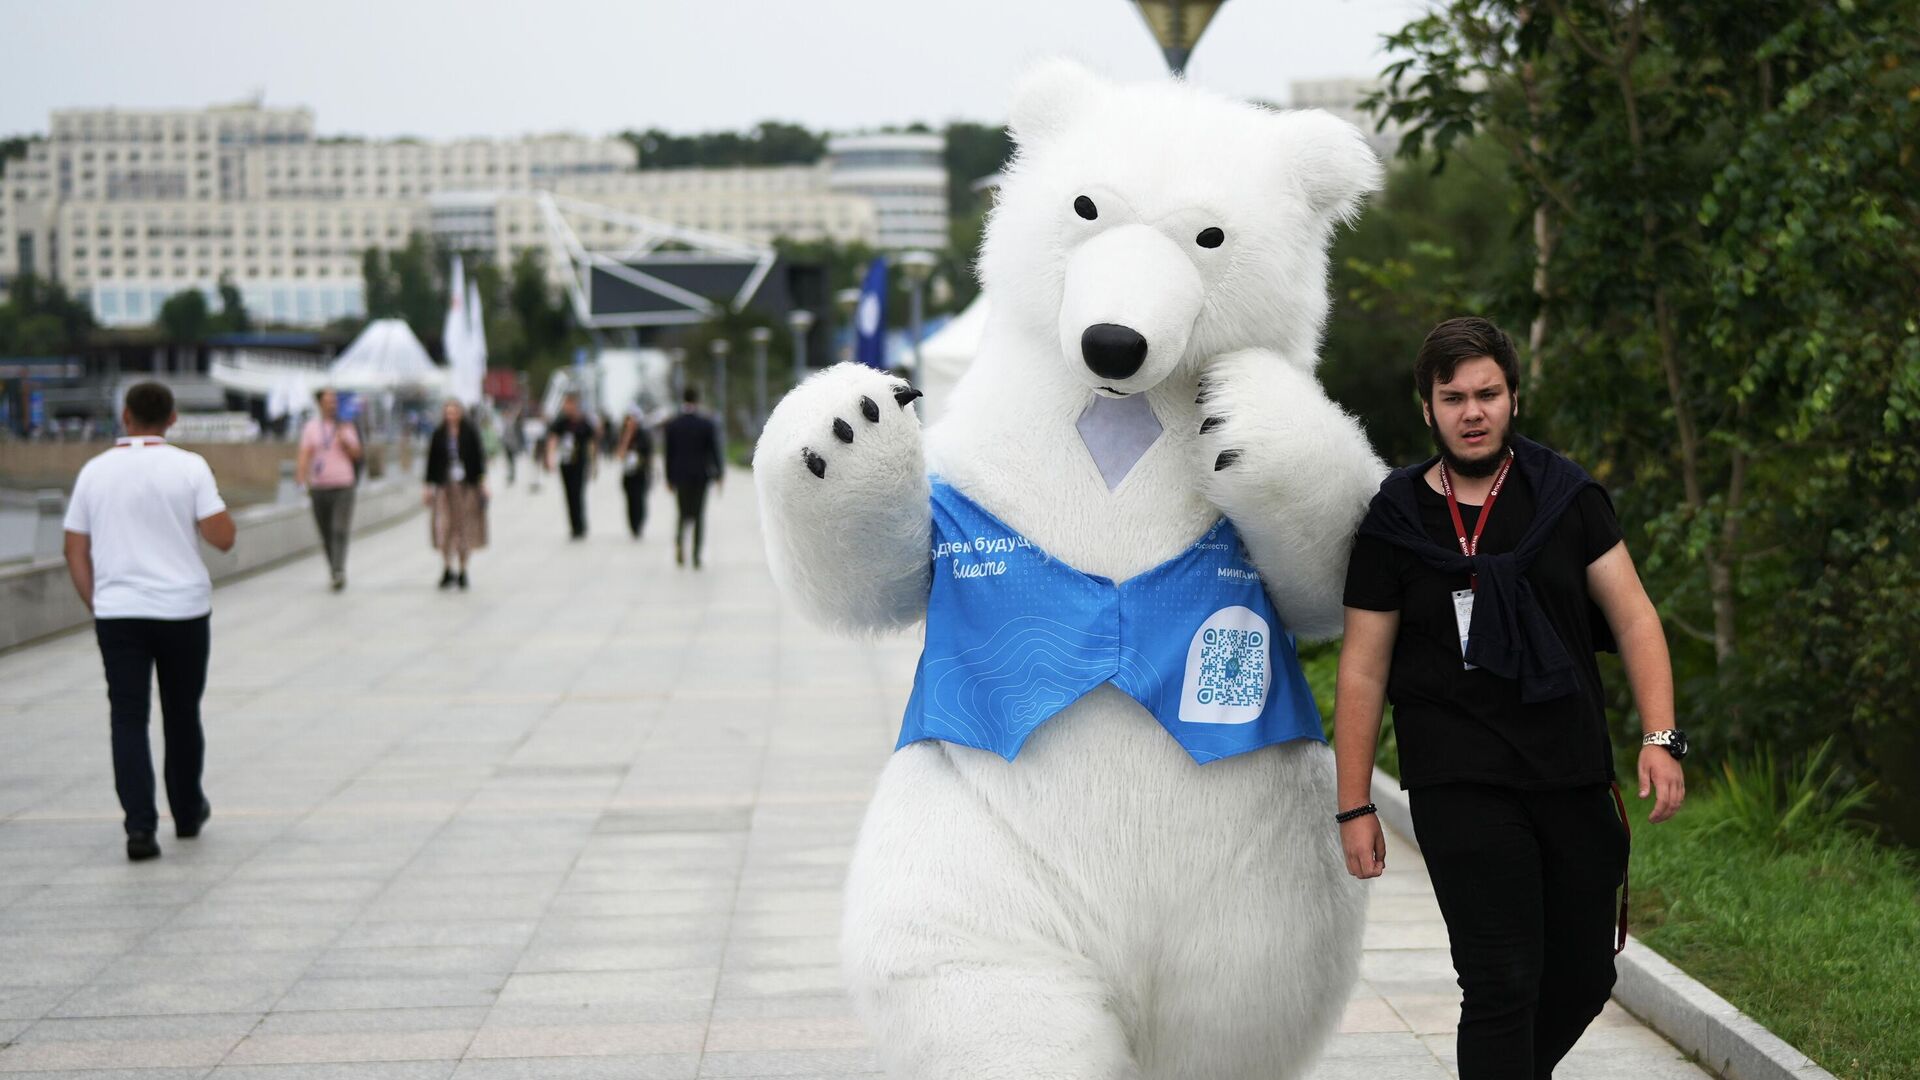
{"x":1461,"y":726}
{"x":573,"y":441}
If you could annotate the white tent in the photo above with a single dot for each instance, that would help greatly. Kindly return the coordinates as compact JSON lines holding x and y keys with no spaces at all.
{"x":264,"y":375}
{"x":386,"y":356}
{"x":950,"y":352}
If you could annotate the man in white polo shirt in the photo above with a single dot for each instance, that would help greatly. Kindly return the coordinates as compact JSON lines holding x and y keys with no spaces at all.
{"x":133,"y":531}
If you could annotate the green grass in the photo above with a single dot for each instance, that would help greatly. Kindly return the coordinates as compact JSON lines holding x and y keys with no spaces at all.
{"x":1820,"y":942}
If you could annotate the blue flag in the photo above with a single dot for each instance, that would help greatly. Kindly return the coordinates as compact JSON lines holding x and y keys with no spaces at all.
{"x":870,"y":317}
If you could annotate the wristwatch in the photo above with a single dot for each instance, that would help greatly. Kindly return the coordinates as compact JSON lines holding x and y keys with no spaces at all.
{"x":1673,"y":739}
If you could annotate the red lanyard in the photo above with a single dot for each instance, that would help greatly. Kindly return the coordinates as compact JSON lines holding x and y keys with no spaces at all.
{"x":1470,"y":547}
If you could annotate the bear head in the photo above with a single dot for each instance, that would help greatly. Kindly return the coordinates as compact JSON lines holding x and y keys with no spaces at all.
{"x":1151,"y":226}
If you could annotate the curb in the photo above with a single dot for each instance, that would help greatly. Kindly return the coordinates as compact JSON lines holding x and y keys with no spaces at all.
{"x":1724,"y":1040}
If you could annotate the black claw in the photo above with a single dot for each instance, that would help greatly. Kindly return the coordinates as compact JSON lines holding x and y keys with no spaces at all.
{"x":1210,"y":423}
{"x":1226,"y":458}
{"x":842,"y":430}
{"x":904,"y":395}
{"x":816,"y":464}
{"x":869,"y":410}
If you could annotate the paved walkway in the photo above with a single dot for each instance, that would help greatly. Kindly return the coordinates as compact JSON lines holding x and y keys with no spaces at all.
{"x":587,"y":820}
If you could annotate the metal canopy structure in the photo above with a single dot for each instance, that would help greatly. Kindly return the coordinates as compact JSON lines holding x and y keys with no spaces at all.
{"x":660,"y":275}
{"x":1177,"y":26}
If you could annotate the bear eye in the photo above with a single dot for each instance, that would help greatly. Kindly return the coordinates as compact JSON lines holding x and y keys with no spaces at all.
{"x":1084,"y":207}
{"x":1210,"y":237}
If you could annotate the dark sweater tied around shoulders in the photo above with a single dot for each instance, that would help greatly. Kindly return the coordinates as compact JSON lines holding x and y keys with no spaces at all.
{"x":1510,"y":634}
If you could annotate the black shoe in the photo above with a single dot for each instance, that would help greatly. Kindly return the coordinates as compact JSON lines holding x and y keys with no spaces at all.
{"x":446,"y":579}
{"x":462,"y":579}
{"x":679,"y":555}
{"x":339,"y":582}
{"x":141,"y":846}
{"x":187,"y":830}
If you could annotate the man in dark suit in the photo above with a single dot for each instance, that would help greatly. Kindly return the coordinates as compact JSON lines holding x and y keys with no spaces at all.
{"x":691,"y":442}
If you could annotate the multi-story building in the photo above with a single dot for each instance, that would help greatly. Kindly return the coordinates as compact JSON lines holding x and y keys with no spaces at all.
{"x":127,"y":207}
{"x":906,"y":177}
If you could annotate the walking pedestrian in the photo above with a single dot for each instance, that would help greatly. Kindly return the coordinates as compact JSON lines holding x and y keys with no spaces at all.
{"x":327,"y":466}
{"x":512,"y":440}
{"x":570,"y":447}
{"x":691,"y":449}
{"x":635,"y":453}
{"x":133,"y":529}
{"x":456,"y":489}
{"x":1481,"y":583}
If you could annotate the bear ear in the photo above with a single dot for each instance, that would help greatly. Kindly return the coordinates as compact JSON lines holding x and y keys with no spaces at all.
{"x":1049,"y":98}
{"x":1330,"y":160}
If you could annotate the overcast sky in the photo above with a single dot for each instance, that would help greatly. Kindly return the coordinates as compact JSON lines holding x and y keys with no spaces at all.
{"x":508,"y":67}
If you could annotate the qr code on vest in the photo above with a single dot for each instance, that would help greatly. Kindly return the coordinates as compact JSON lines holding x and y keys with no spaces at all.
{"x":1233,"y":667}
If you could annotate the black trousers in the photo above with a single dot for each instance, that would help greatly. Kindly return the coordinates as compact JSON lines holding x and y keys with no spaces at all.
{"x":1527,"y":883}
{"x":574,"y":479}
{"x":333,"y":514}
{"x":636,"y":485}
{"x":693,"y":513}
{"x":133,"y":650}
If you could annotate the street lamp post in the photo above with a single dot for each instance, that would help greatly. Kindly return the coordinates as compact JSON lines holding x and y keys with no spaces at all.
{"x":761,"y":336}
{"x":847,"y":300}
{"x":800,"y":321}
{"x":719,"y":347}
{"x":917,"y":266}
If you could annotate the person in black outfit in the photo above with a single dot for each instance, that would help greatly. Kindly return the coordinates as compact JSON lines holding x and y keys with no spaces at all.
{"x":1481,"y":582}
{"x":635,"y":453}
{"x":456,"y":490}
{"x":570,"y":443}
{"x":691,"y":447}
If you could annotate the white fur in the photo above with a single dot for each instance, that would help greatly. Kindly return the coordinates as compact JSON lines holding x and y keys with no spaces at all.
{"x":1102,"y":907}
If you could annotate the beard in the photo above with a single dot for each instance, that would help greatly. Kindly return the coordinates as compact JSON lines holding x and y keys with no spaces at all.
{"x":1475,"y":468}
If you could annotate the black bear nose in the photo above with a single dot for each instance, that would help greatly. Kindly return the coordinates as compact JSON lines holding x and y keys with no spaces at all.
{"x":1113,"y":351}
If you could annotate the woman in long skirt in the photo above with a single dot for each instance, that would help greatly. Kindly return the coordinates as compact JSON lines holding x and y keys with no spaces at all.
{"x":457,"y":491}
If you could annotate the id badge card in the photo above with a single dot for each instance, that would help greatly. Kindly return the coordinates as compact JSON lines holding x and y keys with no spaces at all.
{"x":1463,"y":618}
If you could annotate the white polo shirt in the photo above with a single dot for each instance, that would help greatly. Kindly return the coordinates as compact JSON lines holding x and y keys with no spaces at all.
{"x":141,"y":503}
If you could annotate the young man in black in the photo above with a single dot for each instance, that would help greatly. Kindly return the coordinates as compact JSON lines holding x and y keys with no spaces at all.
{"x":570,"y":446}
{"x":1482,"y":582}
{"x":691,"y":452}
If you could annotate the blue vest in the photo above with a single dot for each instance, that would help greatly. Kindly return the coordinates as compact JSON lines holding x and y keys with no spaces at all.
{"x":1015,"y":635}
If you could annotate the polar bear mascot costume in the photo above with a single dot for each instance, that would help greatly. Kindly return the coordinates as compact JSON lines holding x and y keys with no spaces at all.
{"x":1104,"y":848}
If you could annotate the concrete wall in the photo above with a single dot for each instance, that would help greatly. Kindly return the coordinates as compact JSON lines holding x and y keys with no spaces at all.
{"x":37,"y":599}
{"x":247,"y":472}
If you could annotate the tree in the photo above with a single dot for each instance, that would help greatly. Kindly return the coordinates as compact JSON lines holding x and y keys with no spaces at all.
{"x":41,"y":319}
{"x":382,"y":291}
{"x":1430,"y":246}
{"x":185,"y":317}
{"x":1735,"y":242}
{"x":233,"y":317}
{"x":12,"y":147}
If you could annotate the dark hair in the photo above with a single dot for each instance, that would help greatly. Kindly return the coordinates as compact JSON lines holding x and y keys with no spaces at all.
{"x":323,"y":392}
{"x":150,"y":404}
{"x":1457,"y":341}
{"x":691,"y":395}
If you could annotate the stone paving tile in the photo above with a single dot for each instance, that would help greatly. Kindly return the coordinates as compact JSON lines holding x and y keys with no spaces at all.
{"x":365,"y":1070}
{"x":590,"y":819}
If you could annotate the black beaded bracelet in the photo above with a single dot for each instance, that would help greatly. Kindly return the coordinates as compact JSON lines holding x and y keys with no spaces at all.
{"x":1359,"y":811}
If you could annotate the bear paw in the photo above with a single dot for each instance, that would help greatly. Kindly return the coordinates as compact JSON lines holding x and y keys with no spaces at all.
{"x":1293,"y":471}
{"x":844,"y":498}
